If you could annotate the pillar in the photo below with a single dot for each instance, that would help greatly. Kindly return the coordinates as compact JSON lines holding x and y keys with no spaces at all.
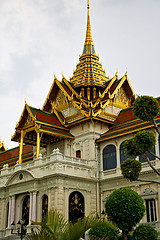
{"x":88,"y":94}
{"x":49,"y":199}
{"x":21,"y":147}
{"x":38,"y":144}
{"x":9,"y":212}
{"x":158,"y":204}
{"x":118,"y":156}
{"x":13,"y":201}
{"x":34,"y":206}
{"x":39,"y":208}
{"x":94,"y":92}
{"x":30,"y":207}
{"x":66,"y":203}
{"x":4,"y":215}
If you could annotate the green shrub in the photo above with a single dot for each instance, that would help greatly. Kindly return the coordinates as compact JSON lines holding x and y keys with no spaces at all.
{"x":125,"y":208}
{"x":145,"y":232}
{"x":106,"y":232}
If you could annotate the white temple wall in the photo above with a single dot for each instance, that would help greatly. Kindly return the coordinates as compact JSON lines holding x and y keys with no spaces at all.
{"x":85,"y":137}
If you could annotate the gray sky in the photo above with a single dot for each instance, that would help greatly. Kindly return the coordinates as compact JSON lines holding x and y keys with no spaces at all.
{"x":40,"y":38}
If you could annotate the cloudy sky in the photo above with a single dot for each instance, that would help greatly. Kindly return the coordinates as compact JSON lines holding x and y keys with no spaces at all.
{"x":40,"y":38}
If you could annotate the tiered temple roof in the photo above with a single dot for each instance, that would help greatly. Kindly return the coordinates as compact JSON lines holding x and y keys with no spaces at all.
{"x":89,"y":94}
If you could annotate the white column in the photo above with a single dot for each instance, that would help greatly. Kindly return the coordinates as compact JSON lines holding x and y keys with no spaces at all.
{"x":4,"y":218}
{"x":49,"y":199}
{"x":9,"y":213}
{"x":118,"y":156}
{"x":13,"y":208}
{"x":39,"y":208}
{"x":66,"y":201}
{"x":158,"y":205}
{"x":34,"y":206}
{"x":56,"y":197}
{"x":30,"y":207}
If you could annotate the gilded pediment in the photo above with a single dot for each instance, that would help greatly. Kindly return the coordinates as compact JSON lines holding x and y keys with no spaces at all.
{"x":121,"y":100}
{"x":61,"y":101}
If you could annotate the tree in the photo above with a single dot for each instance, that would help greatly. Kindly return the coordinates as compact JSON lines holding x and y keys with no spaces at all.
{"x":146,"y":108}
{"x":125,"y":208}
{"x":55,"y":227}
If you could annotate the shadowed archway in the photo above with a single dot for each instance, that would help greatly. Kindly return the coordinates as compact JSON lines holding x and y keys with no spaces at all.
{"x":76,"y":206}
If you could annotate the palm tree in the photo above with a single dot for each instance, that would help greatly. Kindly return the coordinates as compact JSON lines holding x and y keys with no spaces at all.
{"x":55,"y":227}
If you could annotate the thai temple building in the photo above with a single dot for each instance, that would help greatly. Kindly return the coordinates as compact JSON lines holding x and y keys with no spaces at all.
{"x":70,"y":150}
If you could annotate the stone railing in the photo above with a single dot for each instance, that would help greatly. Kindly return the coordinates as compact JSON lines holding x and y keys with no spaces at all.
{"x":53,"y":164}
{"x":117,"y":172}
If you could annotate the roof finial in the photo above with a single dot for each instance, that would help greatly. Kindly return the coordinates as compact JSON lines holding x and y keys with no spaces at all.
{"x":88,"y":46}
{"x":88,"y":7}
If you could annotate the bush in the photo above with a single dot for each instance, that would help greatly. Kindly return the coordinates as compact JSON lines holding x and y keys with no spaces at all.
{"x":146,"y":108}
{"x":125,"y":208}
{"x":131,"y":169}
{"x":103,"y":232}
{"x":145,"y":232}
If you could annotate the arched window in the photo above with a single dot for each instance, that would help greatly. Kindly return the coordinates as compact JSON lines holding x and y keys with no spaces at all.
{"x":76,"y":206}
{"x":123,"y":154}
{"x":44,"y":206}
{"x":25,"y":209}
{"x":151,"y":157}
{"x":109,"y":157}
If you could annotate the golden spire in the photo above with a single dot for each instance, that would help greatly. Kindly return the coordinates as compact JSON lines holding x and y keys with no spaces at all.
{"x":88,"y":40}
{"x":88,"y":46}
{"x":89,"y":71}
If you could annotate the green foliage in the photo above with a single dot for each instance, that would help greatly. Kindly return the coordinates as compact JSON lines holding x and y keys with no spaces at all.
{"x":130,"y":147}
{"x":145,"y":232}
{"x":105,"y":231}
{"x":131,"y":169}
{"x":146,"y":108}
{"x":125,"y":208}
{"x":55,"y":227}
{"x":142,"y":142}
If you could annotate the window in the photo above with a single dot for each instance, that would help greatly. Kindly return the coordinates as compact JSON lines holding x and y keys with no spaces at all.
{"x":150,"y":196}
{"x":151,"y":210}
{"x":151,"y":157}
{"x":123,"y":154}
{"x":78,"y":154}
{"x":109,"y":157}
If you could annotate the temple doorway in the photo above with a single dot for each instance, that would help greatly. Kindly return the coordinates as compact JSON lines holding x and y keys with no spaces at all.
{"x":76,"y":206}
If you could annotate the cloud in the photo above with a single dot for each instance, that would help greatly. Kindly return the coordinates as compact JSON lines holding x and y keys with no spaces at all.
{"x":41,"y":38}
